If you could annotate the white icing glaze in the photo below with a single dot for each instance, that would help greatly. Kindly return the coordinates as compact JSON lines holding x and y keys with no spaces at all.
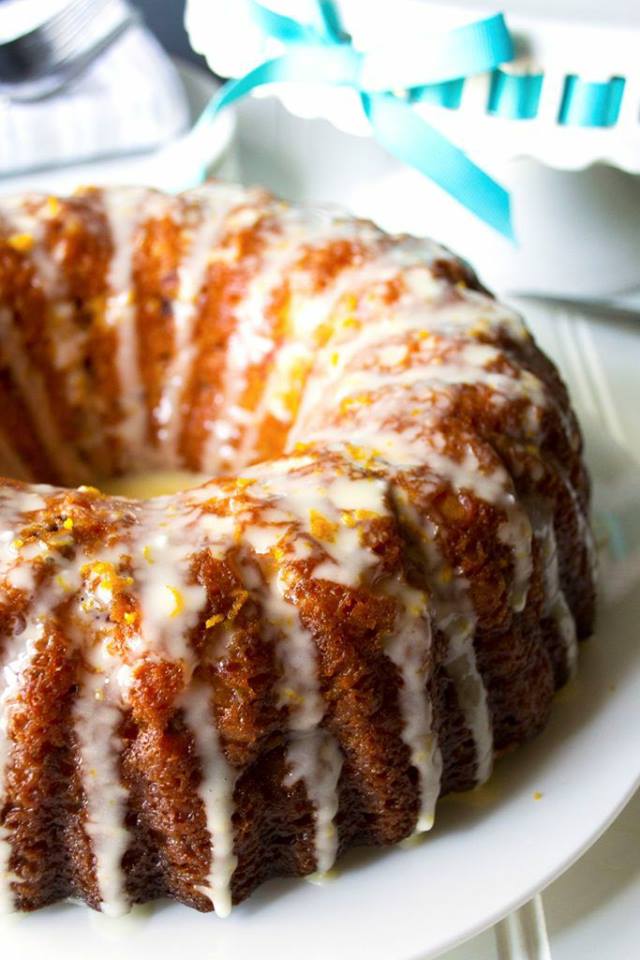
{"x":453,"y":613}
{"x":249,"y":343}
{"x":17,"y":657}
{"x":253,"y":339}
{"x":213,"y":208}
{"x":466,"y":370}
{"x":126,"y":208}
{"x":96,"y":721}
{"x":312,"y":755}
{"x":516,"y":532}
{"x":306,"y":313}
{"x":555,"y":604}
{"x":97,"y":709}
{"x":298,"y":689}
{"x":409,"y":647}
{"x":216,"y":792}
{"x":34,"y":395}
{"x":169,"y":602}
{"x":316,"y":759}
{"x":68,"y":341}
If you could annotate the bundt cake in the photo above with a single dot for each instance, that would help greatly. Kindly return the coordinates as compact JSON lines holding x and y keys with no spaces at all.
{"x":379,"y":591}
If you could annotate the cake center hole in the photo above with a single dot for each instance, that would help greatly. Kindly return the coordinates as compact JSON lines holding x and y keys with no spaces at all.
{"x":154,"y":483}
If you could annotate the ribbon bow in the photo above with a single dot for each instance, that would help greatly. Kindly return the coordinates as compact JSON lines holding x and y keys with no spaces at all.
{"x":324,"y":54}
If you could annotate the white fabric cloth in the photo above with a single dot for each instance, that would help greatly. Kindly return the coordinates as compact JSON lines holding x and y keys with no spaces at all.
{"x":129,"y":100}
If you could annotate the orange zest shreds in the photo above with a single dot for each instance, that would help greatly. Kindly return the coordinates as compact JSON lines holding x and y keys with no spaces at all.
{"x":334,"y":359}
{"x":322,"y":527}
{"x":178,"y":600}
{"x":147,"y":554}
{"x":96,"y":305}
{"x":350,"y":518}
{"x":241,"y":597}
{"x":214,"y":620}
{"x":477,"y":330}
{"x":357,"y":400}
{"x":68,"y":523}
{"x":363,"y":455}
{"x":22,"y":242}
{"x":130,"y":617}
{"x":347,"y":322}
{"x":277,"y":553}
{"x":108,"y":576}
{"x":299,"y":368}
{"x":53,"y":206}
{"x":362,"y":514}
{"x":289,"y":400}
{"x":292,"y":696}
{"x":60,"y":543}
{"x":350,"y":302}
{"x":323,"y":333}
{"x":99,"y":567}
{"x":295,"y":376}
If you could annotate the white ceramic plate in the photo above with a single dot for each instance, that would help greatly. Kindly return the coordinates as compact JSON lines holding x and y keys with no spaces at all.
{"x":490,"y":849}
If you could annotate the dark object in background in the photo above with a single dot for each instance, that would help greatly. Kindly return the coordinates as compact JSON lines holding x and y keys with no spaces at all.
{"x":83,"y":80}
{"x":56,"y":48}
{"x":165,"y":18}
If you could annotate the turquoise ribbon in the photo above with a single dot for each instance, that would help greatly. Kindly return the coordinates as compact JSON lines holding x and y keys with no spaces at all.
{"x":515,"y":97}
{"x":323,"y":54}
{"x":448,"y":94}
{"x":588,"y":104}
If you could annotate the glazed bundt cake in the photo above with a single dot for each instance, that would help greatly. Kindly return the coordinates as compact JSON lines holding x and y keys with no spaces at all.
{"x":379,"y":591}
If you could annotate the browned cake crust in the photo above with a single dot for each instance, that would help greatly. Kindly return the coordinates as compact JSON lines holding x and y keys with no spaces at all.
{"x":238,"y":682}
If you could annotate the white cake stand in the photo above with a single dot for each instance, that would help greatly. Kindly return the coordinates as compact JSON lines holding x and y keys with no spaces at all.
{"x":575,"y":189}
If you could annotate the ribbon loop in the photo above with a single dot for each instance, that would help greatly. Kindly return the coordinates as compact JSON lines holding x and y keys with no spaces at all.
{"x":426,"y":70}
{"x":474,"y":48}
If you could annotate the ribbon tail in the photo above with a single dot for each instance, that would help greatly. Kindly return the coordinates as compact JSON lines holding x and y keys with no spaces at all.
{"x":411,"y":139}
